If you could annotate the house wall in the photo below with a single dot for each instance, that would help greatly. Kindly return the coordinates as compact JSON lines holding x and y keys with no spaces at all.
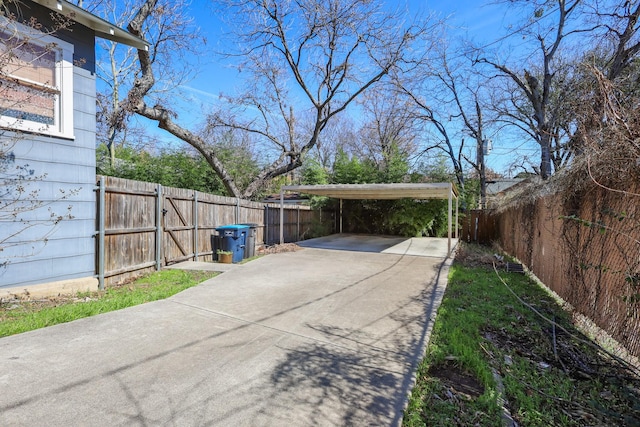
{"x":43,"y":253}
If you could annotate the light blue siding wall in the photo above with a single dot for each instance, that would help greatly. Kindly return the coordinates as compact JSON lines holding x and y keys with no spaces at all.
{"x":69,"y":249}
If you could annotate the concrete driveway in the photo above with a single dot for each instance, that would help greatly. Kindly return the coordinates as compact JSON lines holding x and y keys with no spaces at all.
{"x":317,"y":337}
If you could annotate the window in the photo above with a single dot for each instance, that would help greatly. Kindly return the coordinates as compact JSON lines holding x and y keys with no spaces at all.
{"x":36,"y":81}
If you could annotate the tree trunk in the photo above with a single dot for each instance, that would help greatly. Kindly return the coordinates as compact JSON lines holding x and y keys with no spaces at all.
{"x":545,"y":155}
{"x":483,"y":173}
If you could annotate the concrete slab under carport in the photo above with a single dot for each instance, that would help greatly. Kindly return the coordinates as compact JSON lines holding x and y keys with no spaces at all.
{"x":316,"y":337}
{"x":435,"y":247}
{"x":380,"y":191}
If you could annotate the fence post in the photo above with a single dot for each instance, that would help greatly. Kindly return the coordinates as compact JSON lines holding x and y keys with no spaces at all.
{"x":159,"y":233}
{"x":281,"y":216}
{"x":237,"y":210}
{"x":298,"y":225}
{"x":101,"y":231}
{"x":265,"y":233}
{"x":195,"y":223}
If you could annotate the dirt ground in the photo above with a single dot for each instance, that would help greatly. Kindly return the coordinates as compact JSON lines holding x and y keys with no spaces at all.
{"x":276,"y":249}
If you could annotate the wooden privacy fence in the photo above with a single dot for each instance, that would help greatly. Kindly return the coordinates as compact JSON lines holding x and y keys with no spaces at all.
{"x":144,"y":226}
{"x":583,"y":243}
{"x":479,"y":226}
{"x":298,"y":223}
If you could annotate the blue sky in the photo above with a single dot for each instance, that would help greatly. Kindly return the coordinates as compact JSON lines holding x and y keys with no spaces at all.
{"x":482,"y":21}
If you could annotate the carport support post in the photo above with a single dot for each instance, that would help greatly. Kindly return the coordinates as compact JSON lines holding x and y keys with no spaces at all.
{"x":449,"y":217}
{"x":340,"y":216}
{"x":281,"y":216}
{"x":457,"y":228}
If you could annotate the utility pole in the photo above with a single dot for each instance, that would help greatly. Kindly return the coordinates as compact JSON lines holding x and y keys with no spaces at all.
{"x":484,"y":147}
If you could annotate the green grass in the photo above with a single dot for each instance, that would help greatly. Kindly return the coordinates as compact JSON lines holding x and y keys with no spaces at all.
{"x":482,"y":327}
{"x":29,"y":316}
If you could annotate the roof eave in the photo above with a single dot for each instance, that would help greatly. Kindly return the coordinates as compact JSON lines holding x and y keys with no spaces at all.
{"x":102,"y":28}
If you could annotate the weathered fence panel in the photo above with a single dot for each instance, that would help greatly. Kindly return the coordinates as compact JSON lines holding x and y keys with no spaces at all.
{"x":147,"y":226}
{"x":298,"y":224}
{"x":130,"y":228}
{"x":479,"y":226}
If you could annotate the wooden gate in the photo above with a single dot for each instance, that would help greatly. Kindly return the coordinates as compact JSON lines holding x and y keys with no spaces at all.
{"x":179,"y":229}
{"x":189,"y":219}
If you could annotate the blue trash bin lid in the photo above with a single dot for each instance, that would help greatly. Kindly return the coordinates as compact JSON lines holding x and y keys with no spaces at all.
{"x":232,"y":227}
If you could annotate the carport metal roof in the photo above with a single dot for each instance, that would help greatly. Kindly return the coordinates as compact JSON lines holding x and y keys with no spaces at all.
{"x":442,"y":190}
{"x":378,"y":191}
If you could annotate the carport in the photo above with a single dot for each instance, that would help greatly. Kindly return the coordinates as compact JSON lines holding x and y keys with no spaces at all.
{"x":424,"y":191}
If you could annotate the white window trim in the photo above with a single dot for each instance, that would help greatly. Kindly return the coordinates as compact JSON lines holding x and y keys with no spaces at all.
{"x":63,"y":118}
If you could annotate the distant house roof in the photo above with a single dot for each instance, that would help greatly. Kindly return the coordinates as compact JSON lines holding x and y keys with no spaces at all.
{"x":499,"y":185}
{"x":103,"y":29}
{"x":288,"y":198}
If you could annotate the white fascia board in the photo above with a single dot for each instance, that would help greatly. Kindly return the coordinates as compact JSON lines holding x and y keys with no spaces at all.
{"x":103,"y":29}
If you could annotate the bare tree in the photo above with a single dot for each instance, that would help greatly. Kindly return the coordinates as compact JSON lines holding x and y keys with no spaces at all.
{"x":442,"y":138}
{"x":620,"y":22}
{"x":513,"y":109}
{"x":432,"y":89}
{"x":174,"y":41}
{"x":609,"y":41}
{"x":467,"y":92}
{"x":339,"y":134}
{"x":21,"y":205}
{"x":549,"y":26}
{"x":309,"y":57}
{"x":235,"y":150}
{"x":390,"y":126}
